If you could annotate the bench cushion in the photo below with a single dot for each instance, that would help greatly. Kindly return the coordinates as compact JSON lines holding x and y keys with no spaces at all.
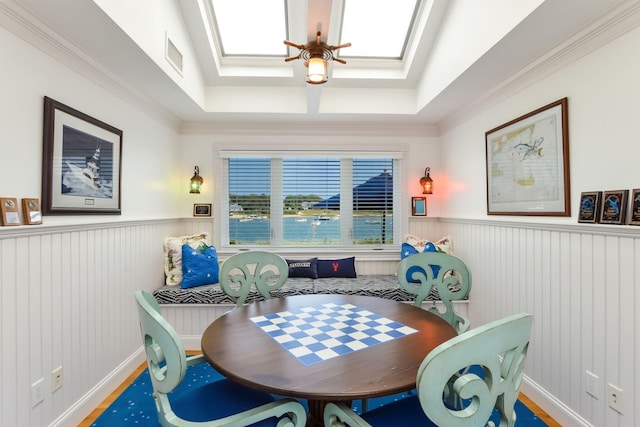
{"x":382,"y":286}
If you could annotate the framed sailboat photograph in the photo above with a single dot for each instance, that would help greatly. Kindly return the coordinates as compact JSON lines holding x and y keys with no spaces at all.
{"x":81,"y":163}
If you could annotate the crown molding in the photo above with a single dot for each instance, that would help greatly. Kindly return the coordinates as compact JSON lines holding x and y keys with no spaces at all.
{"x":324,"y":129}
{"x":32,"y":29}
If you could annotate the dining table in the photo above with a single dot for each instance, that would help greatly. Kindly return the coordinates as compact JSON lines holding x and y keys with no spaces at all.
{"x":324,"y":347}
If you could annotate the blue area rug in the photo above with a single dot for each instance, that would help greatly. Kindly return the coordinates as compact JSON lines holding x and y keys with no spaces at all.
{"x":135,"y":406}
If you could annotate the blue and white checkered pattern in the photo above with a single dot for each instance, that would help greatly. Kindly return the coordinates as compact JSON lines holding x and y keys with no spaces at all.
{"x":314,"y":334}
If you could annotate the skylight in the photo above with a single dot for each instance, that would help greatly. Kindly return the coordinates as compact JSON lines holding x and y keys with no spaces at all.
{"x":251,"y":27}
{"x":377,"y":28}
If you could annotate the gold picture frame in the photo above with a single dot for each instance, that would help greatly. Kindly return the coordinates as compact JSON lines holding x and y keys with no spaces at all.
{"x":9,"y":211}
{"x":31,"y":211}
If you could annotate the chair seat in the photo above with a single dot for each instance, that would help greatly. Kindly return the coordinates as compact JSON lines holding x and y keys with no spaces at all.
{"x":195,"y":403}
{"x":407,"y":412}
{"x":402,"y":413}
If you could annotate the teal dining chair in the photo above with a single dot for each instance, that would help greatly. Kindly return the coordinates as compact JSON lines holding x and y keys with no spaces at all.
{"x":214,"y":404}
{"x":240,"y":272}
{"x":499,"y":348}
{"x":421,"y":273}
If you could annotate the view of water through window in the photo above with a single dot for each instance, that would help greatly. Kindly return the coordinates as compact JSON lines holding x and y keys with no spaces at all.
{"x":299,"y":200}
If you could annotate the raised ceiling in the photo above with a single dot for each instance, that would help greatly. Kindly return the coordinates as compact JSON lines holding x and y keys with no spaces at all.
{"x":457,"y":52}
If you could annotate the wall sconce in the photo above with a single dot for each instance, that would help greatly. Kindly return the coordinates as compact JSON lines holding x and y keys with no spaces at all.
{"x":426,"y":182}
{"x":196,"y":181}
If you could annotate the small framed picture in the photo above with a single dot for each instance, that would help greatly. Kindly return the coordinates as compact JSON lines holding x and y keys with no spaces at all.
{"x":614,"y":207}
{"x":419,"y":206}
{"x":9,"y":211}
{"x":590,"y":207}
{"x":635,"y":207}
{"x":202,"y":209}
{"x":31,"y":211}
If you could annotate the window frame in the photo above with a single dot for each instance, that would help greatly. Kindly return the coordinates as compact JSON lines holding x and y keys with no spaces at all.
{"x":345,"y":244}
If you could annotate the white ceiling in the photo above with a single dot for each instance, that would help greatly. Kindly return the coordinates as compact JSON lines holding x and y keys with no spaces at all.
{"x":464,"y":50}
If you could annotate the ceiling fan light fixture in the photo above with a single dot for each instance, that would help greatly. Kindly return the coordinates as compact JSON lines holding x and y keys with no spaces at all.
{"x":316,"y":55}
{"x":316,"y":70}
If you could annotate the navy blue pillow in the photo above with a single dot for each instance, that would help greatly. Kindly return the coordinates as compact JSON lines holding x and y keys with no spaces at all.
{"x":199,"y":268}
{"x":408,"y":250}
{"x":303,"y":268}
{"x":344,"y":267}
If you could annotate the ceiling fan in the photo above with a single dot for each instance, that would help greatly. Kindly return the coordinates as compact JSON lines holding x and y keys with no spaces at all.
{"x":316,"y":54}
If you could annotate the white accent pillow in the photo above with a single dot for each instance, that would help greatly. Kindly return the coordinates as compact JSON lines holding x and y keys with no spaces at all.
{"x":445,"y":244}
{"x":173,"y":254}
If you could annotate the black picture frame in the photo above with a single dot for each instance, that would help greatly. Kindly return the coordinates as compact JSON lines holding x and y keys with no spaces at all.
{"x":527,"y":164}
{"x":614,"y":207}
{"x":634,"y":218}
{"x":202,"y":209}
{"x":589,"y":209}
{"x":81,"y":163}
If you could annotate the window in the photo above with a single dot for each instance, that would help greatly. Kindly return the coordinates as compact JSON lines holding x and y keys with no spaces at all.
{"x":362,"y":18}
{"x":310,"y":201}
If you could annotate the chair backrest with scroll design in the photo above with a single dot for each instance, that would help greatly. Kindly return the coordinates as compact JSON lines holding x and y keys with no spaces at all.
{"x":206,"y":403}
{"x":240,"y":272}
{"x":420,"y":273}
{"x":498,"y":348}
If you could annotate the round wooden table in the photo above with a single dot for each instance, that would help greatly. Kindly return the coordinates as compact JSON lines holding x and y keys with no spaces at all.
{"x":243,"y":352}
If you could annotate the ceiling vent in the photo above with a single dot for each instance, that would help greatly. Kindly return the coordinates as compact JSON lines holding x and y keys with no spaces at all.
{"x":173,"y":55}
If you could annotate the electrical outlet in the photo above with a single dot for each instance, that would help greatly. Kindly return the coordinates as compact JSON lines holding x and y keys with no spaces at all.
{"x":56,"y":379}
{"x":592,"y":384}
{"x":615,"y":398}
{"x":36,"y":392}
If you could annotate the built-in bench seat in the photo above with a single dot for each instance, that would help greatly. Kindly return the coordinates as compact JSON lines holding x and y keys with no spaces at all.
{"x":382,"y":286}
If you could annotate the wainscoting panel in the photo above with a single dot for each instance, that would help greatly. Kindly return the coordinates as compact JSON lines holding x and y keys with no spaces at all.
{"x":580,"y":284}
{"x":425,"y":228}
{"x":66,"y":299}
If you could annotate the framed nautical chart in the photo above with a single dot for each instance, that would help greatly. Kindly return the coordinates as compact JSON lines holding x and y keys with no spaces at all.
{"x":81,"y":163}
{"x":528,"y":164}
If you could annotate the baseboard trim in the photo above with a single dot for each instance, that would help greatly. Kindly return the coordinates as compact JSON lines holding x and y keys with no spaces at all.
{"x":192,"y":342}
{"x":560,"y":412}
{"x":87,"y":403}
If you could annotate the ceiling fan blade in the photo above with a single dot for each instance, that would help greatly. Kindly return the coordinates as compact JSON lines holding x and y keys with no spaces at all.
{"x":340,"y":46}
{"x":299,"y":46}
{"x":342,"y":61}
{"x":293,"y":58}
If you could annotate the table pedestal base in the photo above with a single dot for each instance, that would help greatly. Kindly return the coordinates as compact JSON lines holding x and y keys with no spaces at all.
{"x":315,"y":417}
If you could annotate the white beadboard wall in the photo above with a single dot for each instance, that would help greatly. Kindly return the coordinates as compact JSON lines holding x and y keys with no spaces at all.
{"x":66,"y":299}
{"x":579,"y":282}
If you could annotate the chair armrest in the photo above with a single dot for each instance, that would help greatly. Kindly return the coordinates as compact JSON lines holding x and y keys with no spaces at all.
{"x":339,"y":414}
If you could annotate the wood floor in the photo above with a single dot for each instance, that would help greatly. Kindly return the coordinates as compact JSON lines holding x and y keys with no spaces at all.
{"x":113,"y":396}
